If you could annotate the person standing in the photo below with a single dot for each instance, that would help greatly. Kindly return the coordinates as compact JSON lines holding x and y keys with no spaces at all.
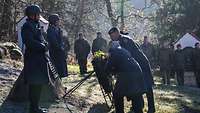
{"x":127,"y":43}
{"x":99,"y":44}
{"x":35,"y":57}
{"x":56,"y":45}
{"x":179,"y":65}
{"x":82,"y":50}
{"x":196,"y":63}
{"x":148,"y":50}
{"x":130,"y":80}
{"x":164,"y":59}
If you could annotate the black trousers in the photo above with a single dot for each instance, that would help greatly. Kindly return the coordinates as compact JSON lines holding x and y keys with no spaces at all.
{"x":82,"y":65}
{"x":34,"y":96}
{"x":137,"y":103}
{"x":165,"y":76}
{"x":197,"y":75}
{"x":180,"y":76}
{"x":150,"y":100}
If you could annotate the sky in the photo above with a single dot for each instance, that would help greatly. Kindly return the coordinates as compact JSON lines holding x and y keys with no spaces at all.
{"x":139,"y":3}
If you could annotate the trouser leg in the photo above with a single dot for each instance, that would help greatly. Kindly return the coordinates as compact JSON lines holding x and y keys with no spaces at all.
{"x":150,"y":100}
{"x":34,"y":96}
{"x":180,"y":77}
{"x":168,"y":77}
{"x":85,"y":65}
{"x":163,"y":76}
{"x":197,"y":75}
{"x":119,"y":103}
{"x":138,"y":104}
{"x":81,"y":65}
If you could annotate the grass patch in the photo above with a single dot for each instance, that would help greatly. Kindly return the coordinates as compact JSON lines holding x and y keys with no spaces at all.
{"x":74,"y":69}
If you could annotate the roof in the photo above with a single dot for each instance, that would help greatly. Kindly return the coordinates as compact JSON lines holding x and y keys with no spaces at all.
{"x":188,"y":40}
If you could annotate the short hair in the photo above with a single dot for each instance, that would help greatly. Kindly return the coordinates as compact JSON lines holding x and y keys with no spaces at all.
{"x":112,"y":30}
{"x":124,"y":33}
{"x":179,"y":45}
{"x":145,"y":37}
{"x":196,"y":44}
{"x":99,"y":33}
{"x":80,"y":34}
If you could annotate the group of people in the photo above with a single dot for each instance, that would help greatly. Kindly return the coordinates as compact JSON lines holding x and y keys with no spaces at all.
{"x":173,"y":62}
{"x":82,"y":49}
{"x":39,"y":52}
{"x":126,"y":60}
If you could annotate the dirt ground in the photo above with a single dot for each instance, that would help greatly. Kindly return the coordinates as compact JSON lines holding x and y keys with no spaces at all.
{"x":88,"y":98}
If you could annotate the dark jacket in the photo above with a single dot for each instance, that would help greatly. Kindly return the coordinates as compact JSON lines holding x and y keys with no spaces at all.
{"x":99,"y":44}
{"x":57,"y":49}
{"x":179,"y":60}
{"x":127,"y":43}
{"x":165,"y":59}
{"x":149,"y":50}
{"x":130,"y":80}
{"x":196,"y":59}
{"x":35,"y":60}
{"x":81,"y":48}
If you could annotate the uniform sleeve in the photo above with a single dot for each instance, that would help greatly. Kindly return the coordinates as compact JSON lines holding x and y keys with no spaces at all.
{"x":137,"y":53}
{"x":88,"y":47}
{"x":109,"y":64}
{"x":52,"y":39}
{"x":68,"y":47}
{"x":30,"y":42}
{"x":93,"y":46}
{"x":75,"y":47}
{"x":105,"y":46}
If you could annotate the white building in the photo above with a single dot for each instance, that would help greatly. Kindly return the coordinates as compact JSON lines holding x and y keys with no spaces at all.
{"x":188,"y":40}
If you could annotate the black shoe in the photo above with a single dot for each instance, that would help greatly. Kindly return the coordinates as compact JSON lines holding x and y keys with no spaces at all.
{"x":37,"y":110}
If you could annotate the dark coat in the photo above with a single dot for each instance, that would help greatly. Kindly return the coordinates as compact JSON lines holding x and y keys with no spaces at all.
{"x":57,"y":50}
{"x":127,"y":43}
{"x":130,"y":80}
{"x":196,"y":59}
{"x":81,"y":48}
{"x":179,"y":60}
{"x":35,"y":60}
{"x":99,"y":44}
{"x":166,"y":59}
{"x":149,"y":50}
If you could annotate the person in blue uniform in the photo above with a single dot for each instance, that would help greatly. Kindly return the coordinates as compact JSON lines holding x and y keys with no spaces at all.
{"x":130,"y":80}
{"x":99,"y":44}
{"x":35,"y":57}
{"x":82,"y":50}
{"x":127,"y":43}
{"x":56,"y":45}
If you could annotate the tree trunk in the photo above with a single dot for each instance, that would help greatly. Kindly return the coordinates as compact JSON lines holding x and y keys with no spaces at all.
{"x":110,"y":13}
{"x":7,"y":24}
{"x":122,"y":15}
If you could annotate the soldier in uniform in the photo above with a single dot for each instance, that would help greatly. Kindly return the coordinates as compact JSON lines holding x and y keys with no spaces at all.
{"x":127,"y":43}
{"x":164,"y":59}
{"x":179,"y":65}
{"x":35,"y":57}
{"x":148,"y":50}
{"x":82,"y":50}
{"x":196,"y":60}
{"x":56,"y":45}
{"x":99,"y":44}
{"x":130,"y":80}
